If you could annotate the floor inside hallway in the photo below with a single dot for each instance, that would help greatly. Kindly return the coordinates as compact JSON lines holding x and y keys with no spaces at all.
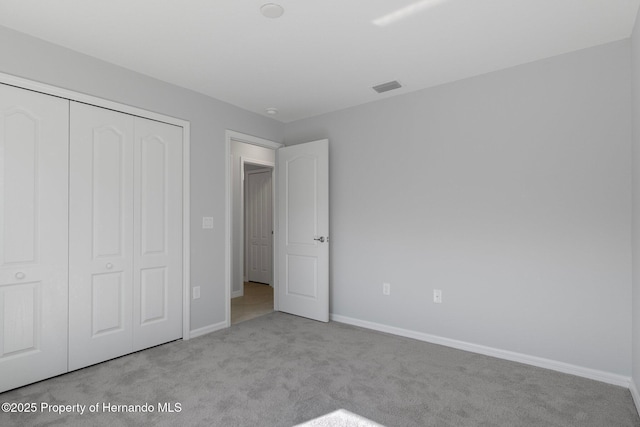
{"x":256,"y":301}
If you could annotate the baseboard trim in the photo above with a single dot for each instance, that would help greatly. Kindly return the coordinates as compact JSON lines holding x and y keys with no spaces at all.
{"x":635,"y":394}
{"x":208,"y":329}
{"x":236,"y":294}
{"x":540,"y":362}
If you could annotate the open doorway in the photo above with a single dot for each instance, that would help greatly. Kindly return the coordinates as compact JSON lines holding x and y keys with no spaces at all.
{"x":251,"y":175}
{"x":301,"y":223}
{"x":257,"y":289}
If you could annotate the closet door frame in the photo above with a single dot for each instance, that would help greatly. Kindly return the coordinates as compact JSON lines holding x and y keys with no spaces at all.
{"x":185,"y":125}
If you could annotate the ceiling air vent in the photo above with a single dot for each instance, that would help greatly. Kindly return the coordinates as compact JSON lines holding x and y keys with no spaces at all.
{"x":385,"y":87}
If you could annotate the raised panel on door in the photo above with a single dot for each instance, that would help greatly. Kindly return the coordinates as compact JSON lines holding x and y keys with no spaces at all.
{"x":101,"y":233}
{"x":33,"y":236}
{"x":303,"y":217}
{"x":157,"y":296}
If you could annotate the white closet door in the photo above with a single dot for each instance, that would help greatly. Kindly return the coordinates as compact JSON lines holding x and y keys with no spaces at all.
{"x":157,"y":296}
{"x":33,"y":236}
{"x":101,"y":235}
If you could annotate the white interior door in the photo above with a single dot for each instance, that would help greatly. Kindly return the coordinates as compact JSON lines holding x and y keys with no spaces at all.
{"x":157,"y":290}
{"x":101,"y":235}
{"x":303,"y":229}
{"x":259,"y":226}
{"x":33,"y":236}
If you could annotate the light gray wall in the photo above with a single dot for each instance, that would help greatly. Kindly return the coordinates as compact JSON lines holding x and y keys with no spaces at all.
{"x":35,"y":59}
{"x":510,"y":191}
{"x":635,"y":79}
{"x":246,"y":151}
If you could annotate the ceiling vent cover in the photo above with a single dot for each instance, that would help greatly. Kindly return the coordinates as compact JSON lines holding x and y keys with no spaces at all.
{"x":385,"y":87}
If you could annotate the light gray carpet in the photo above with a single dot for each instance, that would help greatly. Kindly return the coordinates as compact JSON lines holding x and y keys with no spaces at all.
{"x":282,"y":370}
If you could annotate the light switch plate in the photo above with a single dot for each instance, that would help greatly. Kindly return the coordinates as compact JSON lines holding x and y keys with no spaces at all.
{"x":207,"y":222}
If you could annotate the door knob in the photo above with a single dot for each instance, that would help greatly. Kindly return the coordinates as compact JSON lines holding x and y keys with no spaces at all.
{"x":20,"y":275}
{"x":109,"y":266}
{"x":319,"y":239}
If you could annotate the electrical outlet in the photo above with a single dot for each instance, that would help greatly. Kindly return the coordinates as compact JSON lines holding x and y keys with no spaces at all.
{"x":437,"y":296}
{"x":196,"y":292}
{"x":386,"y":289}
{"x":207,"y":222}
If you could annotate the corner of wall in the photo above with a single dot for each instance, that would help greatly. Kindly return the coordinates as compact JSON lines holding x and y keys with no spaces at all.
{"x":635,"y":232}
{"x":635,"y":394}
{"x":194,"y":333}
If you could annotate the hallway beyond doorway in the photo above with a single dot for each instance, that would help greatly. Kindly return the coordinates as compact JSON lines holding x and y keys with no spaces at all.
{"x":256,"y":301}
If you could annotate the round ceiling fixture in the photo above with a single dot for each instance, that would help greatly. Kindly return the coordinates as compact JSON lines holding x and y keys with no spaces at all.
{"x":271,"y":111}
{"x":272,"y":10}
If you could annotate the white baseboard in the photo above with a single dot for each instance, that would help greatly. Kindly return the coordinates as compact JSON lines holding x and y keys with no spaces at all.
{"x":635,"y":394}
{"x":236,"y":294}
{"x":593,"y":374}
{"x":208,"y":329}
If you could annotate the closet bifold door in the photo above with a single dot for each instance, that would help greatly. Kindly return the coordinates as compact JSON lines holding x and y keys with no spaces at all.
{"x":157,"y":291}
{"x":101,"y":235}
{"x":33,"y":236}
{"x":125,"y":264}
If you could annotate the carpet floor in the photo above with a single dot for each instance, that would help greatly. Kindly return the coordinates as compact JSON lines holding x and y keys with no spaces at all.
{"x":282,"y":370}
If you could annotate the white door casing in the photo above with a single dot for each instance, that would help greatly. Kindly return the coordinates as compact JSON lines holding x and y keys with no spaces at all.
{"x":259,"y":226}
{"x":303,"y":229}
{"x":101,"y":235}
{"x":33,"y":236}
{"x":157,"y":248}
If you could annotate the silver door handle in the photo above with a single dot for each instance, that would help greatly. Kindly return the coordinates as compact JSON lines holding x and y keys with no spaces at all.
{"x":20,"y":275}
{"x":319,"y":239}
